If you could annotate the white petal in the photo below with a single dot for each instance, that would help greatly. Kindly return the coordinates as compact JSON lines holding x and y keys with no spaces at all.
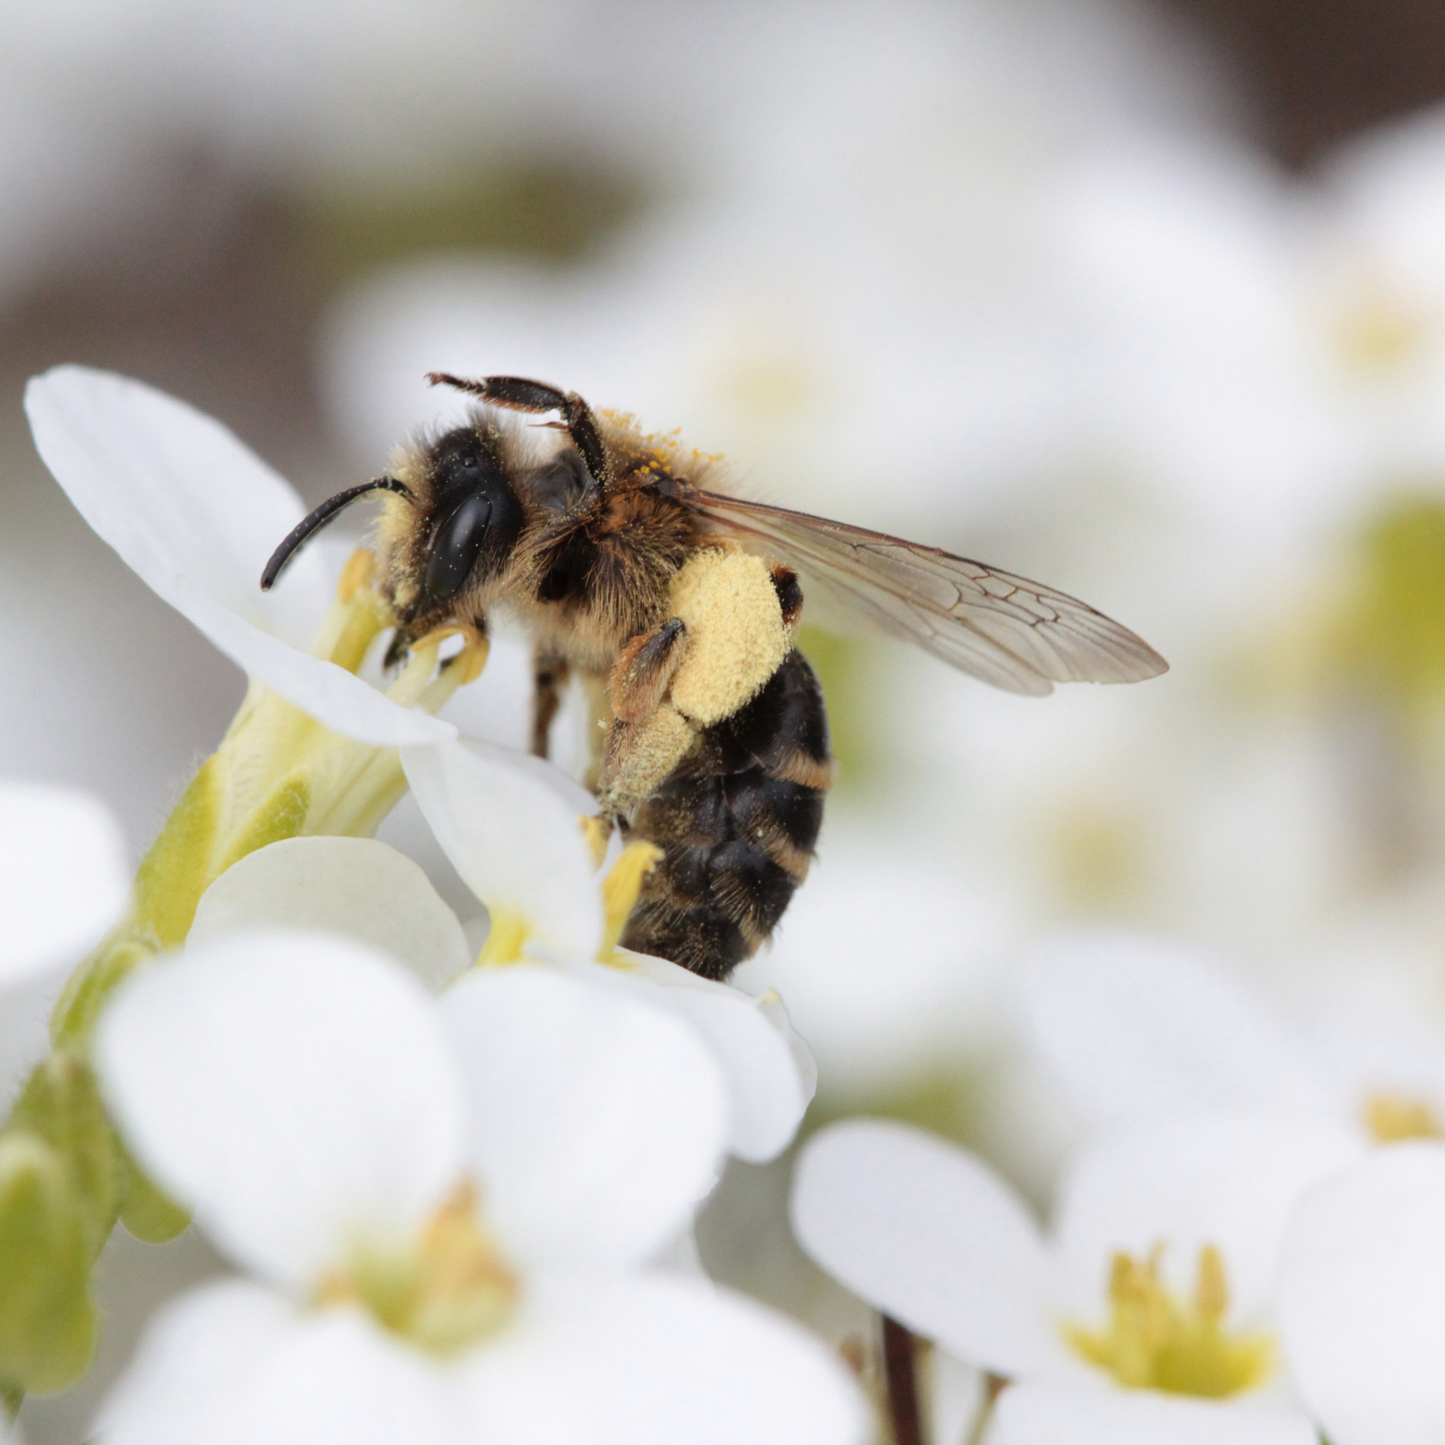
{"x":597,"y":1122}
{"x":63,"y":877}
{"x":175,"y":494}
{"x":1362,"y":1300}
{"x":297,"y":1090}
{"x":1136,"y":1028}
{"x":329,"y":693}
{"x":195,"y":1368}
{"x":195,"y":515}
{"x":1038,"y":1414}
{"x":1222,"y":1179}
{"x":769,"y":1070}
{"x":654,"y":1361}
{"x":355,"y":887}
{"x":513,"y":835}
{"x":235,"y":1365}
{"x":930,"y":1235}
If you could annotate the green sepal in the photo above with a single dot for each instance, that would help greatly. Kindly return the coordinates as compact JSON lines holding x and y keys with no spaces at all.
{"x":61,"y":1106}
{"x":281,"y":815}
{"x":178,"y":867}
{"x":150,"y":1215}
{"x":47,"y":1316}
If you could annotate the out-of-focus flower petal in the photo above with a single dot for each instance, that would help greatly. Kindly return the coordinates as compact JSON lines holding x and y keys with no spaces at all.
{"x":296,"y":1090}
{"x":1135,"y":1028}
{"x":1049,"y":1414}
{"x":1228,"y":1180}
{"x":656,"y":1360}
{"x":1362,"y":1300}
{"x":596,"y":1122}
{"x":234,"y":1364}
{"x":930,"y":1235}
{"x":510,"y":826}
{"x":195,"y":1368}
{"x":355,"y":887}
{"x":195,"y":515}
{"x":63,"y":877}
{"x":769,"y":1069}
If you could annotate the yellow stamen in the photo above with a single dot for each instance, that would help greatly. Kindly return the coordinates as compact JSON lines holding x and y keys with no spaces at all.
{"x":505,"y":941}
{"x":620,"y":889}
{"x":359,"y":570}
{"x":1391,"y":1118}
{"x":451,"y":1289}
{"x":597,"y":832}
{"x":1155,"y":1341}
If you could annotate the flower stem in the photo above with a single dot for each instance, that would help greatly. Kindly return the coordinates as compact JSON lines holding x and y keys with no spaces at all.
{"x":900,"y":1370}
{"x":992,"y":1388}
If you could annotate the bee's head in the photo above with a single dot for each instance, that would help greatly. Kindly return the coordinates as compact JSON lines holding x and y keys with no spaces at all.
{"x":474,"y":516}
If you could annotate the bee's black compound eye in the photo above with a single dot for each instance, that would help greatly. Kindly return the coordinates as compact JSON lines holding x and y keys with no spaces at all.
{"x":476,"y":530}
{"x":457,"y":546}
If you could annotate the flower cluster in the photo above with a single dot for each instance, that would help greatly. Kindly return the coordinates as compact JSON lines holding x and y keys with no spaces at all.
{"x":1248,"y":1244}
{"x":458,"y":1187}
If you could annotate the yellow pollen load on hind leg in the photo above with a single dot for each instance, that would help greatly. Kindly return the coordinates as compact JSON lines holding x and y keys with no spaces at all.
{"x":1154,"y":1340}
{"x":736,"y":636}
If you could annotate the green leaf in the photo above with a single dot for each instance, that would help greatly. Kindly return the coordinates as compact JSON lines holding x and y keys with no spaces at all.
{"x":47,"y":1316}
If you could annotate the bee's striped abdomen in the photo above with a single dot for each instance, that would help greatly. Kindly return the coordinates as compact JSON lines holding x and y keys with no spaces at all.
{"x":737,"y":822}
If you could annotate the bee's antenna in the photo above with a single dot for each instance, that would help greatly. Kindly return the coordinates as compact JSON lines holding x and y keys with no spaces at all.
{"x":516,"y":393}
{"x":298,"y":536}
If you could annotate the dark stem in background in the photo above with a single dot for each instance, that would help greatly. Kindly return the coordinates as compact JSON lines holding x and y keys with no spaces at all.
{"x":900,"y":1370}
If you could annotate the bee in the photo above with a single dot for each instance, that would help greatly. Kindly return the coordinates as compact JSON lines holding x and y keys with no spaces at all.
{"x":676,"y":603}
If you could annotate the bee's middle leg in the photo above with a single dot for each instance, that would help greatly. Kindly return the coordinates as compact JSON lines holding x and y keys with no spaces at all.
{"x":549,"y":677}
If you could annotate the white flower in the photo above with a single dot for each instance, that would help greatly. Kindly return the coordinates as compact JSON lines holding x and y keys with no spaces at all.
{"x":1134,"y":1028}
{"x":1362,"y":1300}
{"x":446,"y":1208}
{"x":511,"y":826}
{"x":63,"y":882}
{"x":196,"y":516}
{"x":1147,"y":1307}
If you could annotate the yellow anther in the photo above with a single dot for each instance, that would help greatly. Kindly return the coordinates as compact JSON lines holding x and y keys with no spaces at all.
{"x":447,"y":1291}
{"x":1211,"y":1291}
{"x":506,"y":939}
{"x":1155,"y":1341}
{"x":1391,"y":1118}
{"x":359,"y":570}
{"x":597,"y":832}
{"x":620,"y":889}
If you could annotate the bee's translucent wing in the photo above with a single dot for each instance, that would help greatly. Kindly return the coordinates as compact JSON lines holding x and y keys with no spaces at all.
{"x":1013,"y":633}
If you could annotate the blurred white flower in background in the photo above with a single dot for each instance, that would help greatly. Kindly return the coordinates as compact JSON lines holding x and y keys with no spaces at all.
{"x":1133,"y":1028}
{"x":1156,"y":1278}
{"x":1361,"y":1292}
{"x":447,"y":1209}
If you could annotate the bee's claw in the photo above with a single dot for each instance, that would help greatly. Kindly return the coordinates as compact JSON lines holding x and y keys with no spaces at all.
{"x":475,"y":647}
